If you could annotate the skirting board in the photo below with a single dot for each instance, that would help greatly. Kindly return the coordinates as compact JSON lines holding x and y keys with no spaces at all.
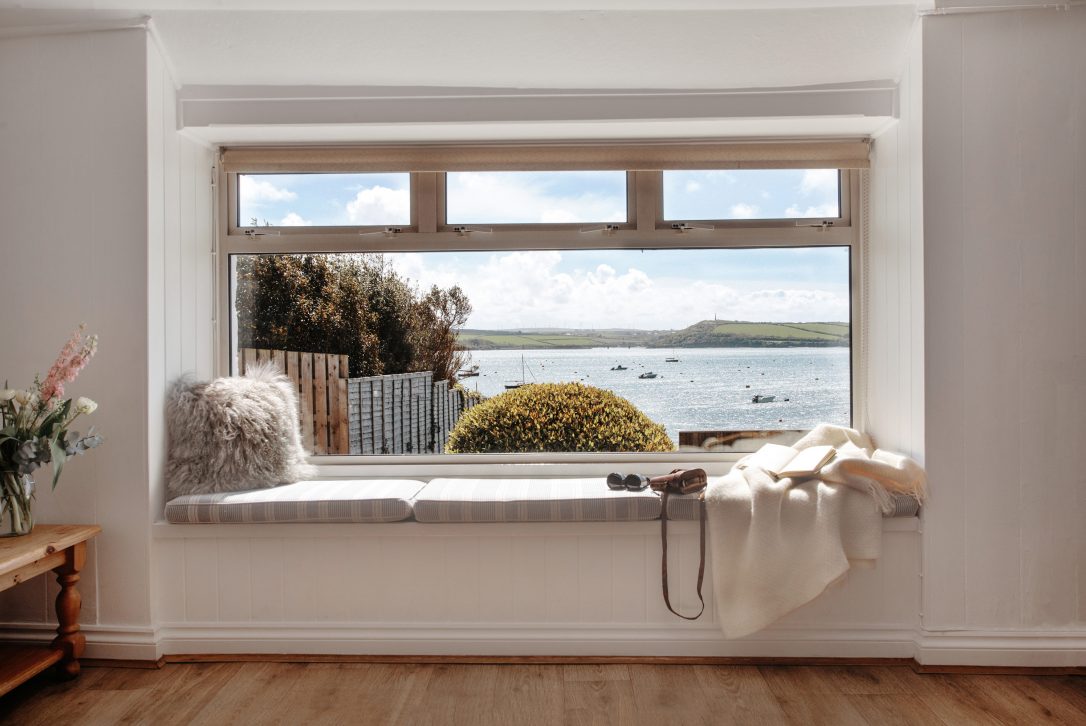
{"x":991,"y":649}
{"x":594,"y":640}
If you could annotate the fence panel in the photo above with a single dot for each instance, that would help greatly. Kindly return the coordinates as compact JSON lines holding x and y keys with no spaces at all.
{"x":321,"y":384}
{"x":402,"y":413}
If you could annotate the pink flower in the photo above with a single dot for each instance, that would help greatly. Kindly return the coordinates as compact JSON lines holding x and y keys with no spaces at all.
{"x":72,"y":359}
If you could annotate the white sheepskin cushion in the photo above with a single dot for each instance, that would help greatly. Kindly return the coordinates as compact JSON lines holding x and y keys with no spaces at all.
{"x":232,"y":434}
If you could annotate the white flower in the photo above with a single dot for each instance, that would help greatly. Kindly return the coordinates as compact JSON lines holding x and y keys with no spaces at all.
{"x":24,"y":397}
{"x":7,"y":394}
{"x":85,"y":405}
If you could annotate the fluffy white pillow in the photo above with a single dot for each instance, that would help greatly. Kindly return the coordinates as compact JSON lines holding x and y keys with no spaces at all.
{"x":234,"y":433}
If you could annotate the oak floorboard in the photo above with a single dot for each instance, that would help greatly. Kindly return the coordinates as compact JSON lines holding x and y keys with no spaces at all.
{"x":452,"y":695}
{"x":599,"y":703}
{"x":255,"y":693}
{"x":895,"y":709}
{"x":531,"y":695}
{"x":1070,"y":688}
{"x":1017,"y":701}
{"x":596,"y":672}
{"x":175,"y":696}
{"x":739,"y":695}
{"x":669,"y":694}
{"x":820,"y":709}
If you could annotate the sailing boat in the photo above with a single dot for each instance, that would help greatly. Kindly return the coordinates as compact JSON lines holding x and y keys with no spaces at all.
{"x":523,"y":380}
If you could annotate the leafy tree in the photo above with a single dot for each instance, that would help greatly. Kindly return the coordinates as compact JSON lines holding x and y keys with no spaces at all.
{"x":356,"y":305}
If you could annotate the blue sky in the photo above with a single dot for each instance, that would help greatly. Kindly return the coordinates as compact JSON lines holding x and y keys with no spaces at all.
{"x":657,"y":289}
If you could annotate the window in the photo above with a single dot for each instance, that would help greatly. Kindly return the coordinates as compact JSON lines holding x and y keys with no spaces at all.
{"x":647,"y":307}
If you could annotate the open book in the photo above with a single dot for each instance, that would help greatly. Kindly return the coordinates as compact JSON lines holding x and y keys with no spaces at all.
{"x":784,"y":461}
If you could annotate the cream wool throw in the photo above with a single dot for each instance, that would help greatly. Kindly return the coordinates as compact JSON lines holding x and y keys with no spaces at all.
{"x":776,"y":545}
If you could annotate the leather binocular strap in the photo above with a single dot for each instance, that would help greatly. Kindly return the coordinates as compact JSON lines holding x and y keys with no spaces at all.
{"x":663,"y":566}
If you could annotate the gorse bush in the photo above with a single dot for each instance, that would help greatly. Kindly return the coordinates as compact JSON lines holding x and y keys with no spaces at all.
{"x":556,"y":417}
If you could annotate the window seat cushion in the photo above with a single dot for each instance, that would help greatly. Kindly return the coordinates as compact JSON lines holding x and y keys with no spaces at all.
{"x":532,"y":500}
{"x":333,"y":500}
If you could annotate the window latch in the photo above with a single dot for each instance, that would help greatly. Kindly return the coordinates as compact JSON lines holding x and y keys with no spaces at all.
{"x":465,"y":231}
{"x":261,"y":233}
{"x":387,"y":232}
{"x":606,"y":229}
{"x":684,"y":227}
{"x":821,"y":226}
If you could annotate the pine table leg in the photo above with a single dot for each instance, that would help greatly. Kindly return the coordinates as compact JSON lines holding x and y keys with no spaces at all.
{"x":69,"y":639}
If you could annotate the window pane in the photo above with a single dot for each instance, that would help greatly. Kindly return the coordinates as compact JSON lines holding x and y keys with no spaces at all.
{"x":302,"y":200}
{"x":752,"y":194}
{"x":535,"y":197}
{"x":706,"y":343}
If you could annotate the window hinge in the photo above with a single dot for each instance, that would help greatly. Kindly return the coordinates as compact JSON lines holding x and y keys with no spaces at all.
{"x":387,"y":232}
{"x":821,"y":226}
{"x":261,"y":233}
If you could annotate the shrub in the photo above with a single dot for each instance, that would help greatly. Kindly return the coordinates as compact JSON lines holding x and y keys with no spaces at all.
{"x":556,"y":417}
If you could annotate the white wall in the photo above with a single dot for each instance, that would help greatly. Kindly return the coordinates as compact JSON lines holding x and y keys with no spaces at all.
{"x":74,"y":169}
{"x":109,"y":214}
{"x":1005,"y":330}
{"x":894,"y":411}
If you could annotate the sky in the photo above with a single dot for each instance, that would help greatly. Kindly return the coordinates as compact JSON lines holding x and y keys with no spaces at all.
{"x":650,"y":289}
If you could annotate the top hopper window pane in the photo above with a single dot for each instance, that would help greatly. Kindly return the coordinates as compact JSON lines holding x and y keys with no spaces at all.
{"x":324,"y":200}
{"x":752,"y":194}
{"x":535,"y":197}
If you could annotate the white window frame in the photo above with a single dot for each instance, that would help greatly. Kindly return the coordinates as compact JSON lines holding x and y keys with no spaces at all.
{"x":645,"y":228}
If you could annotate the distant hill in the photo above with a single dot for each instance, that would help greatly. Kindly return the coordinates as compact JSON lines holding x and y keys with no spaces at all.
{"x":706,"y":334}
{"x":741,"y":334}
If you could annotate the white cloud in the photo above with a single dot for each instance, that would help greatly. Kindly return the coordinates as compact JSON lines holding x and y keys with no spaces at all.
{"x":255,"y":191}
{"x":817,"y":210}
{"x":743,"y":210}
{"x":819,"y":181}
{"x":530,"y":289}
{"x":476,"y":198}
{"x":692,"y":187}
{"x":294,"y":219}
{"x":380,"y":205}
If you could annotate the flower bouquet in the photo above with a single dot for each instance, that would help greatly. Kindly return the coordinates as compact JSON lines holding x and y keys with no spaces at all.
{"x":35,"y":430}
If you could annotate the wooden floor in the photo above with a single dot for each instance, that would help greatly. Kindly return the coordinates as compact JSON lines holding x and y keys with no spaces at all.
{"x":513,"y":695}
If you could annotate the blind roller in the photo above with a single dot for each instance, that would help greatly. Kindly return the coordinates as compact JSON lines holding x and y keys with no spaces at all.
{"x":572,"y":157}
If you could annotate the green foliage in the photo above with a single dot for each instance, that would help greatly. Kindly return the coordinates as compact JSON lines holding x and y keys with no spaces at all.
{"x":734,"y":333}
{"x":356,"y":305}
{"x":556,"y":417}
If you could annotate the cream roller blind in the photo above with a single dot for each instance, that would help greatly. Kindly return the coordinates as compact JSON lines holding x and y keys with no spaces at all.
{"x":851,"y":154}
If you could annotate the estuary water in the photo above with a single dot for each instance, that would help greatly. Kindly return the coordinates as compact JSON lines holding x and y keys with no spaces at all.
{"x":707,"y":389}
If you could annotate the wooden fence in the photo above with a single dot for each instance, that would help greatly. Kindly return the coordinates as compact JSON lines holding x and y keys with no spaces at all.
{"x":404,"y":413}
{"x":322,"y":394}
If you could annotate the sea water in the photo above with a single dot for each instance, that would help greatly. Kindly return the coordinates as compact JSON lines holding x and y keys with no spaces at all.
{"x":708,"y":389}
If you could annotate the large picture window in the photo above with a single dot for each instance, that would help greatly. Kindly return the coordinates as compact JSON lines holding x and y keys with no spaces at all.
{"x":603,"y":311}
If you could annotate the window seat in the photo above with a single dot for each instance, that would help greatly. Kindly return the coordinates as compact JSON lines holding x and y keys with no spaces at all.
{"x":442,"y":500}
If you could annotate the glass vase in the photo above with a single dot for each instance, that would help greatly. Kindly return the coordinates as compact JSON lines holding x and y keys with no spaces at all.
{"x":16,"y":517}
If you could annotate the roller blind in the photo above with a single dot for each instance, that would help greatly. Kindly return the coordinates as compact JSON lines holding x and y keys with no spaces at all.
{"x":851,"y":154}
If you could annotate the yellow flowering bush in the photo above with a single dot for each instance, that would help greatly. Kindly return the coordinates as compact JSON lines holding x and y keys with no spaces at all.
{"x":556,"y":417}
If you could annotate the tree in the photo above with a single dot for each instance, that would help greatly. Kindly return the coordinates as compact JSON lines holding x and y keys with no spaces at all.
{"x":356,"y":305}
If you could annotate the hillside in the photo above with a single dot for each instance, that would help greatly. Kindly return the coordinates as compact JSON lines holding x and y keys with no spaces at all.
{"x":706,"y":334}
{"x":739,"y":334}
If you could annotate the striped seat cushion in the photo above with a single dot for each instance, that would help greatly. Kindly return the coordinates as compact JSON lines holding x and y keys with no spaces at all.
{"x":531,"y":500}
{"x":338,"y":500}
{"x":686,"y":507}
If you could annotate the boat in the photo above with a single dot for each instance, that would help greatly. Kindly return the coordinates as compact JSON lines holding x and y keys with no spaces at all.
{"x":468,"y":372}
{"x":648,"y":374}
{"x":759,"y":398}
{"x":522,"y":382}
{"x":619,"y":368}
{"x":671,"y":360}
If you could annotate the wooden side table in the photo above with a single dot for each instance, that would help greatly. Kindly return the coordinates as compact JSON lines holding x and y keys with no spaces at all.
{"x":61,"y":548}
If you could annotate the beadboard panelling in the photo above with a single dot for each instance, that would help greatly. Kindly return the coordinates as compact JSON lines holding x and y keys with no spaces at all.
{"x":553,"y":578}
{"x":1004,"y":184}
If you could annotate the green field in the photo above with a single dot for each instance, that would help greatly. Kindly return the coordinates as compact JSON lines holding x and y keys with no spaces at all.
{"x":705,"y":334}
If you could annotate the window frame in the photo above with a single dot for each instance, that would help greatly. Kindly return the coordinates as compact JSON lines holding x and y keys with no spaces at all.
{"x":645,"y":228}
